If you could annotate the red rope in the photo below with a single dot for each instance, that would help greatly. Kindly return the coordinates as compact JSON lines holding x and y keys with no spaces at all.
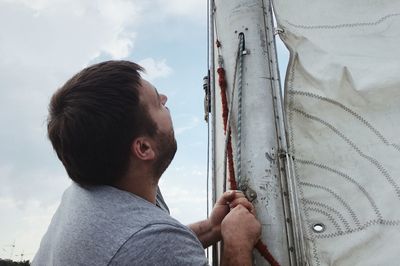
{"x":222,"y":85}
{"x":260,"y":246}
{"x":232,"y":180}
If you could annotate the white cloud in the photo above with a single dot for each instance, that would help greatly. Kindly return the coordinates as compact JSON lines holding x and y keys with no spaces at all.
{"x":184,"y":188}
{"x":178,"y":194}
{"x":24,"y":227}
{"x":155,"y":69}
{"x":187,"y":203}
{"x":193,"y":9}
{"x":43,"y":43}
{"x":65,"y":35}
{"x":185,"y":123}
{"x":46,"y":41}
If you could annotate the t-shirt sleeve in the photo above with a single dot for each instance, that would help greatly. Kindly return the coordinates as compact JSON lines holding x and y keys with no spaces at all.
{"x":161,"y":244}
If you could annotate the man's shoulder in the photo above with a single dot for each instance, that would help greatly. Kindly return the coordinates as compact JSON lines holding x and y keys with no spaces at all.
{"x":95,"y":222}
{"x":120,"y":212}
{"x":161,"y":243}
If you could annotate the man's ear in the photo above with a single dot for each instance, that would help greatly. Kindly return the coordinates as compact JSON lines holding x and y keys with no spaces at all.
{"x":143,"y":149}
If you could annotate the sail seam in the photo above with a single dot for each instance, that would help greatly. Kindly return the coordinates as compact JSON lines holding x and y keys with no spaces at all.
{"x":308,"y":233}
{"x":330,"y":217}
{"x":372,"y":160}
{"x":344,"y":25}
{"x":363,"y":227}
{"x":348,"y":178}
{"x":345,"y":108}
{"x":340,"y":199}
{"x":331,"y":209}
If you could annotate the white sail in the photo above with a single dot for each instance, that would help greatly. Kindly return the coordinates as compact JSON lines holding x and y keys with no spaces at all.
{"x":343,"y":114}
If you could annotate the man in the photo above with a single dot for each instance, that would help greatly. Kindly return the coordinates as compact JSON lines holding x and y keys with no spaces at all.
{"x":113,"y":133}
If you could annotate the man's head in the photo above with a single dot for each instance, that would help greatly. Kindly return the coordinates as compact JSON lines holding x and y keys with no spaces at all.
{"x":95,"y":118}
{"x":160,"y":149}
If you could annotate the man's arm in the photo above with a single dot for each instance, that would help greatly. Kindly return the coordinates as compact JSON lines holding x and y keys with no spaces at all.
{"x":206,"y":233}
{"x":240,"y":232}
{"x":209,"y":231}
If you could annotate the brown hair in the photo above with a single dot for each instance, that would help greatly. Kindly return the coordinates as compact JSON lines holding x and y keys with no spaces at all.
{"x":94,"y":118}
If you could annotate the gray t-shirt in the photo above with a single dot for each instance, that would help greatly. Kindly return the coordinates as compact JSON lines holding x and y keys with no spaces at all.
{"x":103,"y":225}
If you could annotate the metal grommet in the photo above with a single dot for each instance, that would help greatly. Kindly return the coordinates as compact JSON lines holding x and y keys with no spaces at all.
{"x":318,"y":227}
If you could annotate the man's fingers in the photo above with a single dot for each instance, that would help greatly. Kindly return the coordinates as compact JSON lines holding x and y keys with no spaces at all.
{"x":229,"y":196}
{"x":233,"y":198}
{"x":244,"y":202}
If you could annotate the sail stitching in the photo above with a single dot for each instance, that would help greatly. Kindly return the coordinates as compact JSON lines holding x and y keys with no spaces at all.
{"x":331,"y":209}
{"x":327,"y":214}
{"x":372,"y":160}
{"x":340,"y":199}
{"x":349,"y":179}
{"x":292,"y":149}
{"x":363,"y":227}
{"x":353,"y":113}
{"x":345,"y":25}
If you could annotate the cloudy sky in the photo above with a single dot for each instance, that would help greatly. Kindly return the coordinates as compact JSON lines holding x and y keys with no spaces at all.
{"x":43,"y":43}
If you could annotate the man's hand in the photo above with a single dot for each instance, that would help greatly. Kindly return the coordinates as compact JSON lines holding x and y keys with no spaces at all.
{"x":209,"y":231}
{"x":240,"y":231}
{"x":240,"y":225}
{"x":228,"y":200}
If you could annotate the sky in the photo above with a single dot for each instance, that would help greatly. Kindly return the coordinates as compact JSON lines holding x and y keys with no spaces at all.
{"x":45,"y":42}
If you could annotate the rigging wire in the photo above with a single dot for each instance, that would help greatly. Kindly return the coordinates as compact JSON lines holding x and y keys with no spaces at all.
{"x":208,"y":114}
{"x":208,"y":123}
{"x":208,"y":119}
{"x":211,"y":67}
{"x":239,"y":114}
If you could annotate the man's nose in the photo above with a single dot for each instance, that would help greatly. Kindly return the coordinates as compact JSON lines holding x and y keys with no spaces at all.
{"x":164,"y":99}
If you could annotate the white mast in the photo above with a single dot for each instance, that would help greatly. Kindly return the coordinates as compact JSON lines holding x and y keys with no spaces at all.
{"x":258,"y":135}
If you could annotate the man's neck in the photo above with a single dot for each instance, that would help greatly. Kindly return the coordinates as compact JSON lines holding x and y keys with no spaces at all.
{"x":142,"y":185}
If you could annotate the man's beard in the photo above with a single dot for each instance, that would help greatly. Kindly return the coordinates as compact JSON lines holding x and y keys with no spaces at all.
{"x":166,"y":149}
